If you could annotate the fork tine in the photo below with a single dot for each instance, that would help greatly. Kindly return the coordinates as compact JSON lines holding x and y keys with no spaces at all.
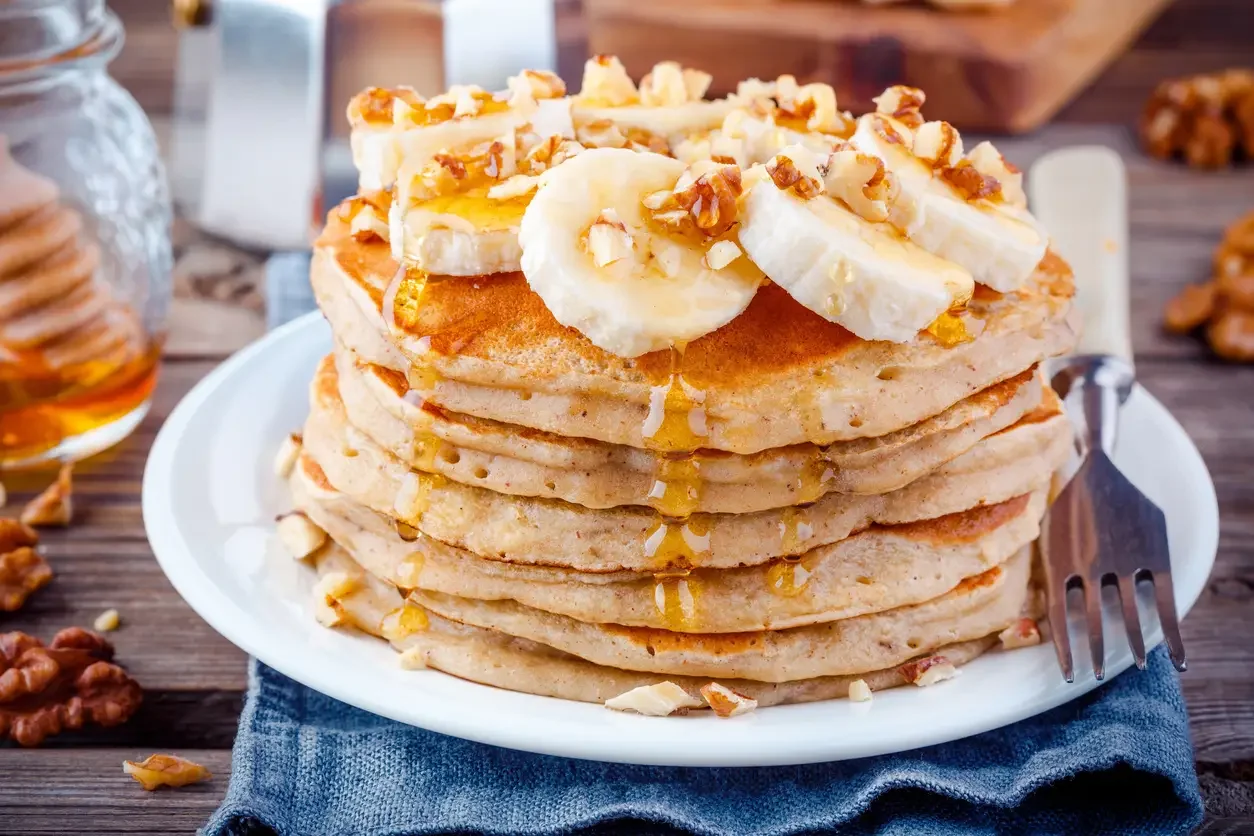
{"x":1093,"y":611}
{"x":1058,"y":626}
{"x":1126,"y":585}
{"x":1165,"y":596}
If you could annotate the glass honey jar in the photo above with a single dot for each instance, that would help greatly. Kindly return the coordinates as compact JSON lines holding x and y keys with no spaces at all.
{"x":85,"y":259}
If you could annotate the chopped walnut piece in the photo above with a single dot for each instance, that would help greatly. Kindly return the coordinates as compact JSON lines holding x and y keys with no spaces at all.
{"x":601,"y":133}
{"x":369,"y":225}
{"x":1023,"y":633}
{"x":903,"y":104}
{"x":659,"y":700}
{"x":23,"y":572}
{"x":894,"y":133}
{"x":703,"y":202}
{"x":608,"y":239}
{"x":107,"y":621}
{"x":606,"y":83}
{"x":299,"y":536}
{"x":532,"y":85}
{"x":72,"y":681}
{"x":787,"y":176}
{"x":938,"y":144}
{"x":165,"y":771}
{"x":669,"y":85}
{"x":989,"y":162}
{"x":927,"y":671}
{"x":1204,"y":118}
{"x":721,"y":254}
{"x":54,"y":506}
{"x":519,"y":185}
{"x":1191,"y":309}
{"x":288,"y":454}
{"x":969,"y":182}
{"x":859,"y":691}
{"x":548,"y":152}
{"x":725,"y":702}
{"x":860,"y":181}
{"x":329,"y":594}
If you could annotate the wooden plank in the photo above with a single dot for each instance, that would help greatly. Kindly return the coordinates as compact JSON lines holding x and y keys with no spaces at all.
{"x":85,"y":791}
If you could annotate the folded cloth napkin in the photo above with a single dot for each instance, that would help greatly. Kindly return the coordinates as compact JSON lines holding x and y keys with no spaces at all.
{"x":1117,"y":761}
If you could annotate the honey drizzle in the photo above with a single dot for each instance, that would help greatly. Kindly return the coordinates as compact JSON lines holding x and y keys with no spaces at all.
{"x":403,"y":621}
{"x":675,"y":596}
{"x":794,"y":531}
{"x":675,"y":428}
{"x":410,"y":570}
{"x":952,"y":329}
{"x":405,"y":531}
{"x":788,"y":577}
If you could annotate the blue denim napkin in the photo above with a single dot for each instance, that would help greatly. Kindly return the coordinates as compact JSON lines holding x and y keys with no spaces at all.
{"x":1116,"y":761}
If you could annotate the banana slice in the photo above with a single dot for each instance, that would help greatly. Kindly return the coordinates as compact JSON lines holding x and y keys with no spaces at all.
{"x":630,"y":278}
{"x":848,"y":270}
{"x":1000,"y":251}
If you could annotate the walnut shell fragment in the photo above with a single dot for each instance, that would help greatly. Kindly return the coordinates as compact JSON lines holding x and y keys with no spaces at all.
{"x":53,"y":507}
{"x":157,"y":771}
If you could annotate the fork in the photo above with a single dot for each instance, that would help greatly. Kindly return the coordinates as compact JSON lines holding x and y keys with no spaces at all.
{"x":1101,"y":530}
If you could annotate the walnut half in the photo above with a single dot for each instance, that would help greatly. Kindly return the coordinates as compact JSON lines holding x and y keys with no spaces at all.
{"x":65,"y":685}
{"x":1203,"y":118}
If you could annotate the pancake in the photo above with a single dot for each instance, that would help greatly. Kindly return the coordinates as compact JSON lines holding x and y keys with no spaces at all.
{"x":594,"y":474}
{"x":498,"y":659}
{"x":877,"y":569}
{"x":774,"y":376}
{"x":979,"y":606}
{"x":553,"y":533}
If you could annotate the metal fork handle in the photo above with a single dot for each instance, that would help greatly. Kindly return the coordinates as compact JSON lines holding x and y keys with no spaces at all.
{"x":1096,"y":385}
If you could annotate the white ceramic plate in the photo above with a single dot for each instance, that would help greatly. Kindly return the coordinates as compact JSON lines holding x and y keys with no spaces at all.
{"x":210,"y":499}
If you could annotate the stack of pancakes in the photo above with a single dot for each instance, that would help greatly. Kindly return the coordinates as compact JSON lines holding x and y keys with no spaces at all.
{"x":778,"y":505}
{"x":534,"y":520}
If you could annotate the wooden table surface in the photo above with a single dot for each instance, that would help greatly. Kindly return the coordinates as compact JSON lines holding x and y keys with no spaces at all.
{"x":194,"y":679}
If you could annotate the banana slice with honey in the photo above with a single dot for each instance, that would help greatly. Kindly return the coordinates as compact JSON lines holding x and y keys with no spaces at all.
{"x":635,"y":250}
{"x":799,"y":226}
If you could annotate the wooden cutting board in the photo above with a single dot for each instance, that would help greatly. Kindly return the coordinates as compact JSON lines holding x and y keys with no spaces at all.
{"x":1007,"y":70}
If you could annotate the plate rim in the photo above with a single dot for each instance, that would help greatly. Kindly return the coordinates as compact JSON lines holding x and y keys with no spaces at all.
{"x":217,"y":608}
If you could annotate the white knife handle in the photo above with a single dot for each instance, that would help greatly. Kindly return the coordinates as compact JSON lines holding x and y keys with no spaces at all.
{"x":1080,"y":195}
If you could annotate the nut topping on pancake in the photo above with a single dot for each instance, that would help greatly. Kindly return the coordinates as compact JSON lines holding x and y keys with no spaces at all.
{"x":725,"y":702}
{"x":847,"y":269}
{"x":299,"y":535}
{"x":660,"y":700}
{"x":1023,"y":633}
{"x":950,"y":204}
{"x":928,"y":671}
